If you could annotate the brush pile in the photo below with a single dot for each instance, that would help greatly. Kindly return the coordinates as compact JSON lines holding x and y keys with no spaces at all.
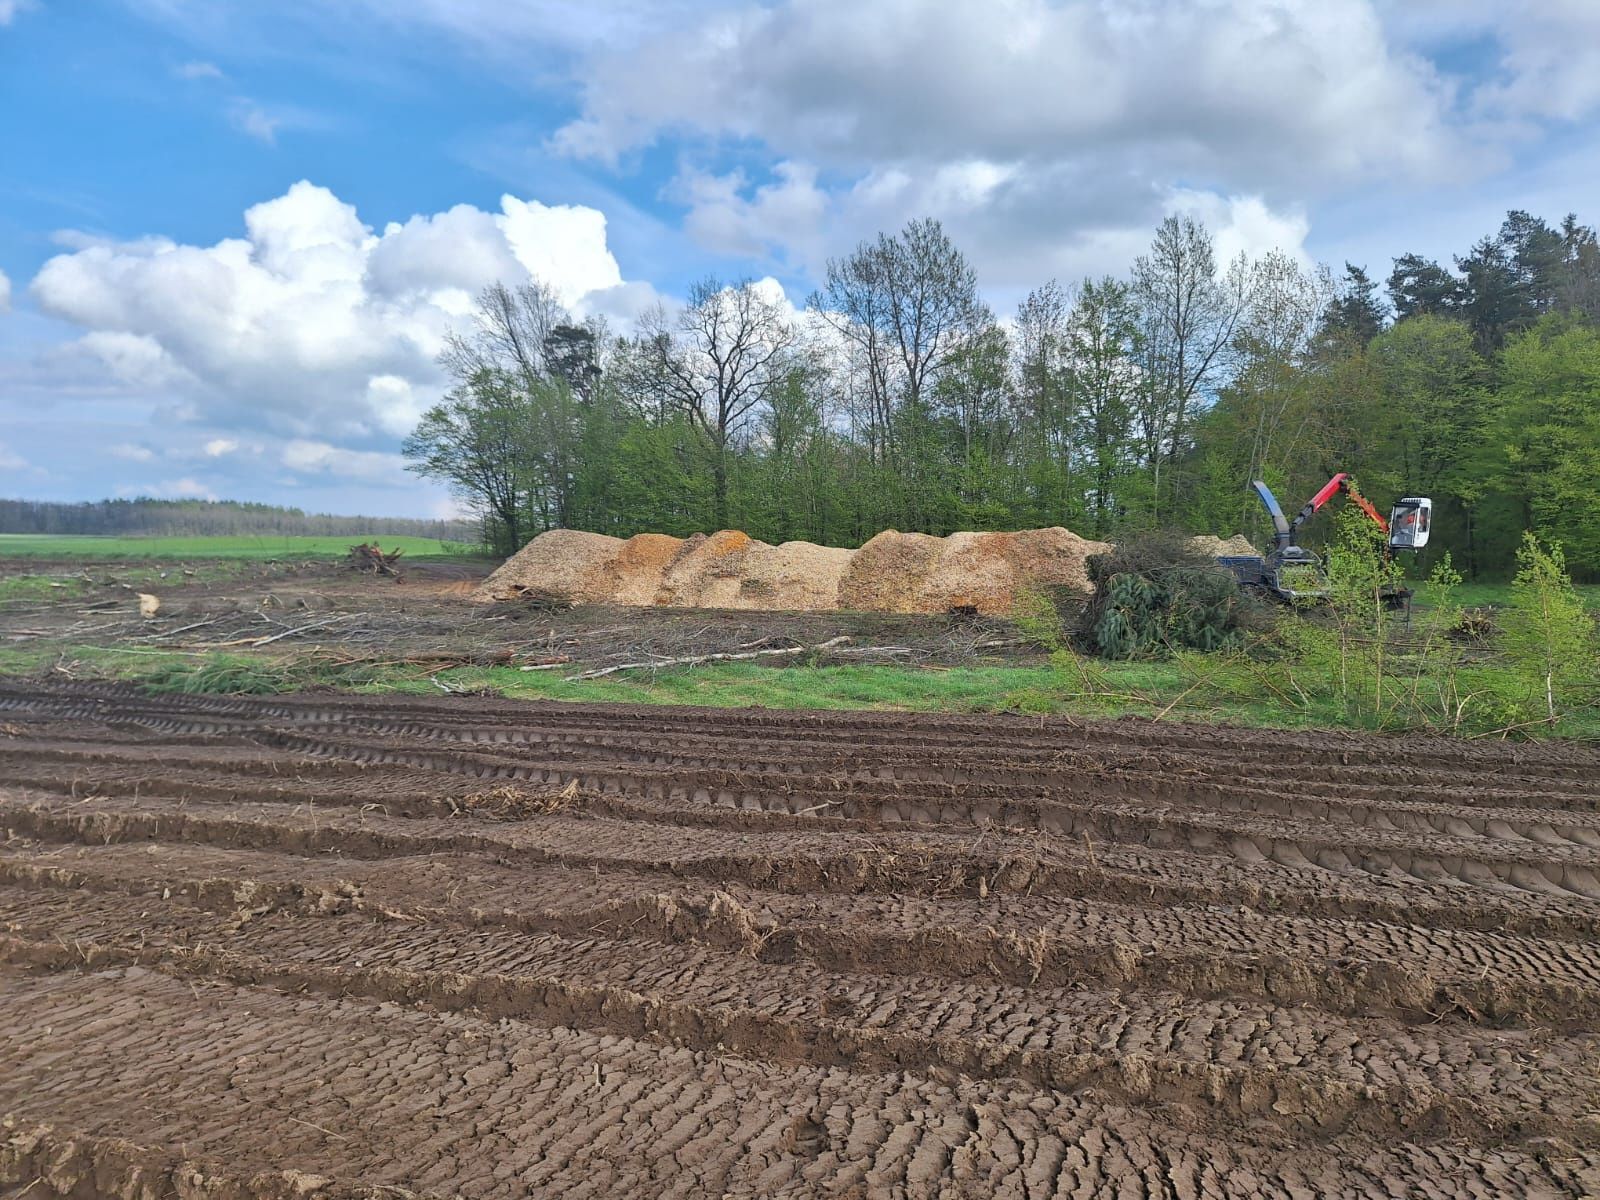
{"x":372,"y":559}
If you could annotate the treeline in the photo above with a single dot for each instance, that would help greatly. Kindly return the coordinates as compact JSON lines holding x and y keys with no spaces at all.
{"x":209,"y":518}
{"x":896,"y":398}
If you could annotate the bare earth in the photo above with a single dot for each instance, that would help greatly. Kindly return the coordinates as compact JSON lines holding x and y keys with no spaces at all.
{"x":467,"y":947}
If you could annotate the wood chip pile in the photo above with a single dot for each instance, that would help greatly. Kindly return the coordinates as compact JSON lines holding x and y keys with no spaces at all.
{"x":894,"y":572}
{"x":1215,"y":547}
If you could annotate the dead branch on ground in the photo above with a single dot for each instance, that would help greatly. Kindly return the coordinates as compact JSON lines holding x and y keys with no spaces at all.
{"x":691,"y":660}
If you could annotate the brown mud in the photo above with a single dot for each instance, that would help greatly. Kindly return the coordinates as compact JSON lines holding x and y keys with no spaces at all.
{"x":364,"y":946}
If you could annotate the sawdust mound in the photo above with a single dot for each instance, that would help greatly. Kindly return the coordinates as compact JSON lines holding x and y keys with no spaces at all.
{"x":796,"y":576}
{"x":1214,"y":547}
{"x":708,"y":571}
{"x":562,"y":564}
{"x":887,"y":573}
{"x":894,"y":572}
{"x":985,"y":571}
{"x":638,"y":571}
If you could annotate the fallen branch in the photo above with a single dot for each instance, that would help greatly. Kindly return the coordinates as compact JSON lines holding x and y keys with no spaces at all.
{"x":267,"y":641}
{"x":691,"y":660}
{"x":158,"y":650}
{"x":155,"y":637}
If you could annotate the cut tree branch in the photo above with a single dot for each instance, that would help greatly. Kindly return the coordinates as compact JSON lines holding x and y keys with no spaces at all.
{"x":690,"y":660}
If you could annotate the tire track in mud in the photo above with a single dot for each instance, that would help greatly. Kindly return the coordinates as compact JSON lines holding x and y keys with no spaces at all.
{"x":1230,"y":1062}
{"x":1339,"y":967}
{"x":1521,"y":776}
{"x":918,"y":758}
{"x":1497,"y":854}
{"x":790,"y":861}
{"x":646,"y":952}
{"x":583,"y":1114}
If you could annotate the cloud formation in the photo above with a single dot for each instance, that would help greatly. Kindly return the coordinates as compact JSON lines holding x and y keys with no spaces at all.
{"x":5,"y":293}
{"x":305,"y":456}
{"x":251,"y":119}
{"x":1272,"y":87}
{"x":1550,"y":62}
{"x":198,"y":70}
{"x":312,"y":322}
{"x":1047,"y":136}
{"x":186,"y":488}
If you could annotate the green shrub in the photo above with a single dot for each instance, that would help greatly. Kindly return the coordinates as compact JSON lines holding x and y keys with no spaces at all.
{"x":1156,"y":595}
{"x":1547,"y":636}
{"x":223,"y":676}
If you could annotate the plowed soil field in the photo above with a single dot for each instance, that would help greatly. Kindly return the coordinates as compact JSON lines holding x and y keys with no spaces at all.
{"x":351,"y":946}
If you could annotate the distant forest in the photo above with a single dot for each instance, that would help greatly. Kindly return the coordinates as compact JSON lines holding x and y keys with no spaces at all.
{"x":897,"y":398}
{"x":210,"y":518}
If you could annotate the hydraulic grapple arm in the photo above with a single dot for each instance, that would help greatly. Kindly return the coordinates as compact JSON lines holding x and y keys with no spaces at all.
{"x":1339,"y":483}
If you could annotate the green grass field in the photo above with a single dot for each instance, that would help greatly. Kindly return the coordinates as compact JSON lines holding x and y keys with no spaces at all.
{"x":31,"y":545}
{"x":1152,"y":689}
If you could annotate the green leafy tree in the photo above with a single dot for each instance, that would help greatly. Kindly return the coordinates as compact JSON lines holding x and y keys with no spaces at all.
{"x":1104,"y":342}
{"x":1427,"y":423}
{"x":1355,"y":315}
{"x":1190,"y":311}
{"x":478,"y":443}
{"x":1549,"y":424}
{"x":718,"y":362}
{"x":1547,"y":635}
{"x":1419,"y":285}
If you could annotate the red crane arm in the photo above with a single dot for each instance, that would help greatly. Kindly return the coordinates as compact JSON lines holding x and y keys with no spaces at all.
{"x":1368,"y":508}
{"x":1340,"y":483}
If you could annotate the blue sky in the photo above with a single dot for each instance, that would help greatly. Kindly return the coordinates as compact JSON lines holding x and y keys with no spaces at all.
{"x":157,"y":339}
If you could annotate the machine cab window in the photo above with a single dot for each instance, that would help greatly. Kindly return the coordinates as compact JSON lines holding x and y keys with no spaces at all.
{"x":1409,"y":522}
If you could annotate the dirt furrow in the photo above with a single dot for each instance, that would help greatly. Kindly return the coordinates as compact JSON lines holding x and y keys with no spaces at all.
{"x":1339,"y":966}
{"x":466,"y":947}
{"x":1525,"y":863}
{"x":1417,"y":755}
{"x":1198,"y":778}
{"x":783,"y":854}
{"x":374,"y":1092}
{"x":1466,"y":809}
{"x":1223,"y":1062}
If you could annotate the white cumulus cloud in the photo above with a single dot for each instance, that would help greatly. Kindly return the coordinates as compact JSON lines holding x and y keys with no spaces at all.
{"x":186,"y":488}
{"x":1550,"y":66}
{"x":311,"y":324}
{"x":1048,"y":136}
{"x":133,"y":452}
{"x":305,"y":456}
{"x":5,"y":293}
{"x":251,"y":119}
{"x":1279,"y":87}
{"x":1244,"y":224}
{"x":217,"y":447}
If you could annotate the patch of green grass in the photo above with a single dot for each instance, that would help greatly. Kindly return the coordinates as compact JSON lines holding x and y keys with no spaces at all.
{"x":23,"y":588}
{"x":1136,"y":688}
{"x":210,"y":672}
{"x":1480,"y":595}
{"x":1139,"y":688}
{"x":78,"y":583}
{"x":29,"y":545}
